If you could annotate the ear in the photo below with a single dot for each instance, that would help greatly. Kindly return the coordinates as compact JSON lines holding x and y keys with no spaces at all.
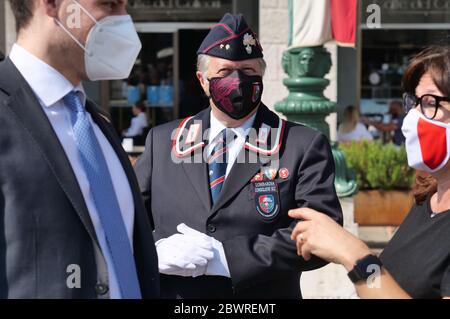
{"x":203,"y":83}
{"x":51,"y":7}
{"x":200,"y":78}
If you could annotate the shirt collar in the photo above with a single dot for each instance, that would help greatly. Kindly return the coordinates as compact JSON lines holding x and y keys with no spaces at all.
{"x":216,"y":127}
{"x":39,"y":75}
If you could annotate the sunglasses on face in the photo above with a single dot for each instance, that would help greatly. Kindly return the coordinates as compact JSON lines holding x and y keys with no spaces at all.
{"x":429,"y":103}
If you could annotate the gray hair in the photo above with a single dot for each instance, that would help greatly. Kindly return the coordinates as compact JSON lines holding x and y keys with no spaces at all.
{"x":203,"y":61}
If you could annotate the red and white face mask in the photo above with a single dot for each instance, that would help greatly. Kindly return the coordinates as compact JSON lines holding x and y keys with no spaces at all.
{"x":427,"y":142}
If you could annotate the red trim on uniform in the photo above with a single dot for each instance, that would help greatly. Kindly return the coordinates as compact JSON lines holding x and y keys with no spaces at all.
{"x":217,"y":154}
{"x":179,"y":128}
{"x":258,"y":142}
{"x":201,"y":145}
{"x":268,"y":153}
{"x":217,"y":182}
{"x":177,"y":137}
{"x":225,"y":40}
{"x":224,"y":26}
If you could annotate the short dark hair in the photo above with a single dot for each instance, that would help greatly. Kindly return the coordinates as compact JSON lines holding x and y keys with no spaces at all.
{"x":23,"y":12}
{"x":140,"y":105}
{"x":434,"y":59}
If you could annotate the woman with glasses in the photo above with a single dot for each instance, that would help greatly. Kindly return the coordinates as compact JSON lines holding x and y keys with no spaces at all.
{"x":416,"y":263}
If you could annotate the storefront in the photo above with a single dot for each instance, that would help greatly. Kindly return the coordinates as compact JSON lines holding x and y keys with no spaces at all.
{"x":164,"y":75}
{"x":407,"y":26}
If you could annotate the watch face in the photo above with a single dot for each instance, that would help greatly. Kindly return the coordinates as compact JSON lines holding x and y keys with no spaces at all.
{"x":369,"y":260}
{"x":365,"y":267}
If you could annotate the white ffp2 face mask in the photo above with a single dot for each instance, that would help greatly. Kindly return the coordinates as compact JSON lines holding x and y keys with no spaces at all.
{"x":111,"y":49}
{"x":427,"y":142}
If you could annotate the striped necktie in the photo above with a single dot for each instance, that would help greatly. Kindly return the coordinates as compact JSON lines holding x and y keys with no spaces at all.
{"x":218,"y":162}
{"x":105,"y":198}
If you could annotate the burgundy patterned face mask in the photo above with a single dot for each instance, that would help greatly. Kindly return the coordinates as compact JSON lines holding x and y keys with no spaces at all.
{"x":237,"y":94}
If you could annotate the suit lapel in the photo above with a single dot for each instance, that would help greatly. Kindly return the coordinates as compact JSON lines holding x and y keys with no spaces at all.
{"x":197,"y":169}
{"x":198,"y":175}
{"x":28,"y":110}
{"x":242,"y":173}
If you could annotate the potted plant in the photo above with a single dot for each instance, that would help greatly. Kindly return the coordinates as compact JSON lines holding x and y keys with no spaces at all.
{"x":384,"y":181}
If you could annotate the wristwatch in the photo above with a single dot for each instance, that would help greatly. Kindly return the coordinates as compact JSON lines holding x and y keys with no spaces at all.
{"x":363,"y":268}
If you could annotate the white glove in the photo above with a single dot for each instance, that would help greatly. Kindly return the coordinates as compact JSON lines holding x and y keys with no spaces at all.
{"x":217,"y":266}
{"x":181,"y":257}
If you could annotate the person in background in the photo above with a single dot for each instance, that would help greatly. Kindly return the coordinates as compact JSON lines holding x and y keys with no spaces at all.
{"x":73,"y":224}
{"x":416,"y":263}
{"x":395,"y":126}
{"x":351,"y":128}
{"x":139,"y":122}
{"x":219,"y":184}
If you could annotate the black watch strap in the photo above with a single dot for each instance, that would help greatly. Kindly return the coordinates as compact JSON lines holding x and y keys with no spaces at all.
{"x":364,"y":268}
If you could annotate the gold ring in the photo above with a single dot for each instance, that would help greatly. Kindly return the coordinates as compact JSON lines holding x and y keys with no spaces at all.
{"x":302,"y":239}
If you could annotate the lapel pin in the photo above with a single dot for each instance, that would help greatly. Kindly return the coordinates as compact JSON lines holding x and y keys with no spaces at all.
{"x":258,"y":178}
{"x":284,"y":173}
{"x":270,"y":173}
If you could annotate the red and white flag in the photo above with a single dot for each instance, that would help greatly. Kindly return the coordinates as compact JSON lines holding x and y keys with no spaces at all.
{"x":316,"y":22}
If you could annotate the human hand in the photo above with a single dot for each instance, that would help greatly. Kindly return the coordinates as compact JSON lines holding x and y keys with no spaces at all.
{"x":218,"y":265}
{"x":317,"y":234}
{"x":181,"y":257}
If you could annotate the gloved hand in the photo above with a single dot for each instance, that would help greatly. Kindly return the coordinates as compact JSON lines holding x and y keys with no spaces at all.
{"x":181,"y":257}
{"x":217,"y":266}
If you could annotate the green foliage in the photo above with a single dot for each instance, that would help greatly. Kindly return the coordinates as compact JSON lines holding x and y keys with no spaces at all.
{"x":379,"y":166}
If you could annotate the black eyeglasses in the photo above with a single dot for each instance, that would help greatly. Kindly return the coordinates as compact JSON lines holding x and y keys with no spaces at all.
{"x":429,"y":103}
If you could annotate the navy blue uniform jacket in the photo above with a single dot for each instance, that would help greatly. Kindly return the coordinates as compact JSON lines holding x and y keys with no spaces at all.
{"x":262,"y":258}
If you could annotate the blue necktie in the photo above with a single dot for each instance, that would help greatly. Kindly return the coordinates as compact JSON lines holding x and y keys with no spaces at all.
{"x":105,"y":198}
{"x":218,"y":162}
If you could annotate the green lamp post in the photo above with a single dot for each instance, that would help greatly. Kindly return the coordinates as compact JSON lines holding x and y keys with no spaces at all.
{"x":306,"y":103}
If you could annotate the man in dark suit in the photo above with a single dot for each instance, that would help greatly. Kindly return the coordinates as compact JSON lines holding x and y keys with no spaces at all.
{"x":219,"y":185}
{"x":72,"y":223}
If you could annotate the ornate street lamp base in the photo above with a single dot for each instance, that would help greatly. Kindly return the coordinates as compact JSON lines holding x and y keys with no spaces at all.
{"x":307,"y":105}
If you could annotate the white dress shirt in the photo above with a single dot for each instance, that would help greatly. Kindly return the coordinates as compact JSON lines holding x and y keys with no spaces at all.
{"x":235,"y":147}
{"x":50,"y":87}
{"x":138,"y":124}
